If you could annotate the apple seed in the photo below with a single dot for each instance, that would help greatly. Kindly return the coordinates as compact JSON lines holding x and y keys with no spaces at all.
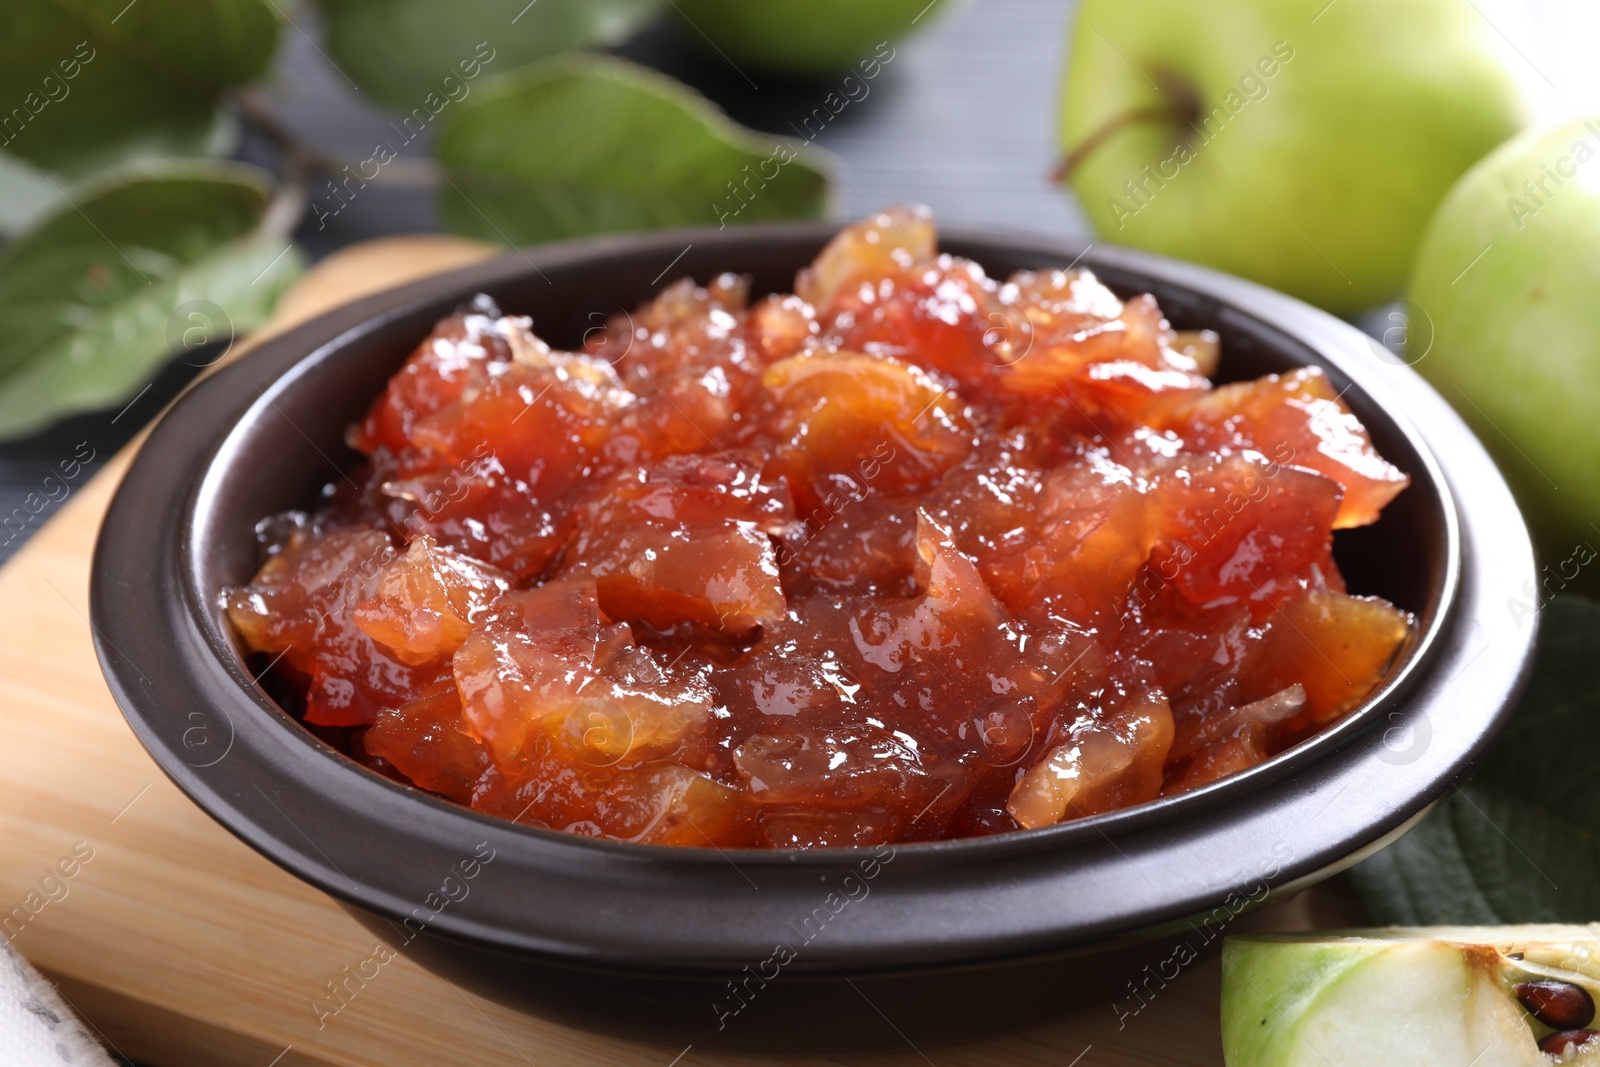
{"x":1564,"y":1041}
{"x":1560,"y":1005}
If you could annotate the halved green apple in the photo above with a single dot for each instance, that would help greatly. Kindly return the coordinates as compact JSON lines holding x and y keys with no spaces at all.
{"x":1465,"y":996}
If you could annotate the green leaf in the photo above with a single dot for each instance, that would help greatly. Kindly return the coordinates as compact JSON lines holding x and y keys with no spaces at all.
{"x":93,"y":82}
{"x":583,"y":145}
{"x":97,"y":294}
{"x":401,"y":50}
{"x":1520,"y":842}
{"x":204,"y":44}
{"x":26,"y":194}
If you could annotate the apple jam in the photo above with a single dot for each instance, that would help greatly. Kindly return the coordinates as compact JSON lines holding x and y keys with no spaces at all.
{"x":910,"y":553}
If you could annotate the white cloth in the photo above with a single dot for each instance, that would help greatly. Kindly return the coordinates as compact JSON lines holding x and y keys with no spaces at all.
{"x":37,"y":1029}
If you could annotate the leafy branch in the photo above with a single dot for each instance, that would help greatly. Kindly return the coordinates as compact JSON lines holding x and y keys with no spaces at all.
{"x":126,"y":235}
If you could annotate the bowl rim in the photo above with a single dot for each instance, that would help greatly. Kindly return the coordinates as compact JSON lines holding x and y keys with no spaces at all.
{"x":301,"y":351}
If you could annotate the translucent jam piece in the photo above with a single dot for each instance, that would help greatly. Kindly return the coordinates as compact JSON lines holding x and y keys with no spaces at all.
{"x":427,"y":602}
{"x":543,"y":421}
{"x":1218,"y":760}
{"x":1116,"y":364}
{"x":544,"y":662}
{"x":461,"y":352}
{"x":1336,"y":647}
{"x":892,"y":246}
{"x":665,"y":804}
{"x":781,"y":326}
{"x":687,"y":541}
{"x":1234,"y":524}
{"x":300,"y":610}
{"x":842,"y":423}
{"x":840,"y":767}
{"x":424,"y":740}
{"x":1296,"y":418}
{"x":1105,"y":764}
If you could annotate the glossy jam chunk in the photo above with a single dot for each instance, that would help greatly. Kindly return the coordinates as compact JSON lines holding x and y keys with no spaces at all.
{"x":1105,"y":763}
{"x":825,"y":406}
{"x":427,"y":601}
{"x":301,"y":611}
{"x":1300,"y":419}
{"x":686,"y":541}
{"x":907,"y":554}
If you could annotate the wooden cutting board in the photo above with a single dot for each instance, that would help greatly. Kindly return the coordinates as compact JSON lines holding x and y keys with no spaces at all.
{"x":182,"y":946}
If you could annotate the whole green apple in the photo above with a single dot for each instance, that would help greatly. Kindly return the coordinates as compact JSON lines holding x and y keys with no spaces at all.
{"x":1300,"y":143}
{"x":803,"y":37}
{"x":1507,"y":288}
{"x":1511,"y":996}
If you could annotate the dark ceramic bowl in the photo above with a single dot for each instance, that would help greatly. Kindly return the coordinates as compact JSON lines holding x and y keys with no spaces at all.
{"x":824,"y":950}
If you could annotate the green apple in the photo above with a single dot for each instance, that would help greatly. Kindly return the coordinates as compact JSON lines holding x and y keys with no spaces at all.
{"x":1495,"y":996}
{"x":1506,"y":282}
{"x":803,"y":37}
{"x":1299,"y":143}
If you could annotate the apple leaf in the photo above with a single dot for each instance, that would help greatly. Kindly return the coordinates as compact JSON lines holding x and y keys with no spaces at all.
{"x":90,"y":83}
{"x":584,"y":144}
{"x":26,"y":194}
{"x":1520,"y":842}
{"x":399,"y":51}
{"x":99,"y":292}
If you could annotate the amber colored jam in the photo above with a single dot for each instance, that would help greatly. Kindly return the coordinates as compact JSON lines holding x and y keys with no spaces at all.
{"x":908,"y":554}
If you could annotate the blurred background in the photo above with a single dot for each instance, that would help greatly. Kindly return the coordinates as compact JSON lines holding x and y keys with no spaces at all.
{"x":962,"y":114}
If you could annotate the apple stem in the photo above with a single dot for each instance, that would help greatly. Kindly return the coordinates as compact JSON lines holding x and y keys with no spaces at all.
{"x":1181,"y":108}
{"x":1113,"y":126}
